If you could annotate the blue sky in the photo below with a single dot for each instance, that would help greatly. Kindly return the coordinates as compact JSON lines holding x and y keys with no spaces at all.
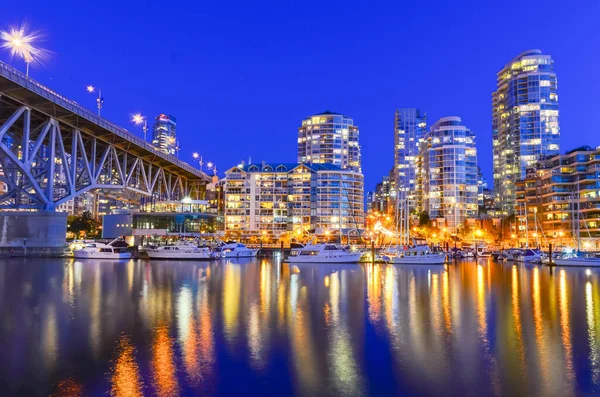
{"x":240,"y":76}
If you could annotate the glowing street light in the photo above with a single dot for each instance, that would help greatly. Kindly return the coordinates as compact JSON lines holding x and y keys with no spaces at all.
{"x":99,"y":100}
{"x":22,"y":44}
{"x":138,"y":119}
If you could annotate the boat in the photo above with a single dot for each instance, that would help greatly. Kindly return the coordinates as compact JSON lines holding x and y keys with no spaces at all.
{"x":417,"y":254}
{"x":323,"y":253}
{"x":511,"y":254}
{"x":482,"y":251}
{"x":529,"y":256}
{"x":116,"y":249}
{"x":182,"y":250}
{"x":232,"y":249}
{"x":577,"y":259}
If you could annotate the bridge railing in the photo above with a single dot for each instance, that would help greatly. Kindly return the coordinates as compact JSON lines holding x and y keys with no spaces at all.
{"x":20,"y":78}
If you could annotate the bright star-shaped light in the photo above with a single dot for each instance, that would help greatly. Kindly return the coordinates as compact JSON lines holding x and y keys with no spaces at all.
{"x":138,"y":118}
{"x":90,"y":88}
{"x":22,"y":44}
{"x":195,"y":155}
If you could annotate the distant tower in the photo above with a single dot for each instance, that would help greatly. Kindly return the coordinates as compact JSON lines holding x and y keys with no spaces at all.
{"x":164,"y":134}
{"x":524,"y":121}
{"x":410,"y":126}
{"x":329,"y":138}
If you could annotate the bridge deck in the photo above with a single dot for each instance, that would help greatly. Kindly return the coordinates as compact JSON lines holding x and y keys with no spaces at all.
{"x":26,"y":91}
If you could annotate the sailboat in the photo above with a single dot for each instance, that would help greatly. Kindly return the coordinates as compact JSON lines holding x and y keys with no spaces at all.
{"x":411,"y":251}
{"x":577,"y":258}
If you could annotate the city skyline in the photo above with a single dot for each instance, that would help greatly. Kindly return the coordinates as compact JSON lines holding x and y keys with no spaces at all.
{"x":202,"y":103}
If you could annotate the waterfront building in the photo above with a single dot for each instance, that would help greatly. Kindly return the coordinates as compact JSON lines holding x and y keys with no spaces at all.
{"x":329,"y":138}
{"x":560,"y":198}
{"x":163,"y":219}
{"x":448,"y":175}
{"x":524,"y":121}
{"x":272,"y":199}
{"x":410,"y":126}
{"x":164,"y":134}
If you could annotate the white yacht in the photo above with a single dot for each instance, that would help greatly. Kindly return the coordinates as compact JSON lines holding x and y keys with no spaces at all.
{"x":417,"y":254}
{"x":323,"y":253}
{"x":574,"y":259}
{"x":233,"y":250}
{"x":116,"y":249}
{"x":182,"y":250}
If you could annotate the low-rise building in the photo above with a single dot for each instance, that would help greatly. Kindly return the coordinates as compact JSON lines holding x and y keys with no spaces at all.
{"x":272,"y":199}
{"x":560,"y":198}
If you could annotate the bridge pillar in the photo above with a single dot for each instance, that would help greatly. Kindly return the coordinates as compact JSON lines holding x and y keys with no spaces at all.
{"x":41,"y":233}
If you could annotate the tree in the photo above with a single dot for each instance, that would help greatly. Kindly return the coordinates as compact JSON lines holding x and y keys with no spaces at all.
{"x":83,"y":226}
{"x":424,"y":220}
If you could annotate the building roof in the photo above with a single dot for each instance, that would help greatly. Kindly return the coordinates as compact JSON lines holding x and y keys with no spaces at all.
{"x":260,"y":167}
{"x":327,"y":112}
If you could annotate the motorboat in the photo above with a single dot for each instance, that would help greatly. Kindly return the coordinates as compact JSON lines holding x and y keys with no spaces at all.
{"x":482,"y":252}
{"x":116,"y":249}
{"x":511,"y":255}
{"x":577,"y":259}
{"x":417,"y":254}
{"x":529,"y":256}
{"x":324,"y":253}
{"x":233,"y":250}
{"x":182,"y":250}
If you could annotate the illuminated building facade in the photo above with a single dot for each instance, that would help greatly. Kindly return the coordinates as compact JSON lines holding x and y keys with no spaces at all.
{"x":276,"y":198}
{"x":164,"y":134}
{"x":524,"y":121}
{"x":329,"y":138}
{"x":449,"y":163}
{"x":558,"y":196}
{"x":410,"y":126}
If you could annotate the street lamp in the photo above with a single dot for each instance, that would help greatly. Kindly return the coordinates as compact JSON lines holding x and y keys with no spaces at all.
{"x":138,"y":119}
{"x":99,"y":100}
{"x":21,"y":44}
{"x":198,"y":157}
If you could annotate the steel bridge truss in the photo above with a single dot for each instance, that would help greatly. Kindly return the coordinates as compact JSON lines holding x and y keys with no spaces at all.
{"x":45,"y":162}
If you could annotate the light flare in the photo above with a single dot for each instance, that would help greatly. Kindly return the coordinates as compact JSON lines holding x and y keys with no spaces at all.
{"x":22,"y":43}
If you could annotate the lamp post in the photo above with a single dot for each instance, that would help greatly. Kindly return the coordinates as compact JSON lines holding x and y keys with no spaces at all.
{"x":99,"y":99}
{"x":21,"y":44}
{"x":138,"y":119}
{"x":198,"y":157}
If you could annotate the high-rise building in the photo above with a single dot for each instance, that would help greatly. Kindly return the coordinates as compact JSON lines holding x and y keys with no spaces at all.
{"x":164,"y":134}
{"x":410,"y":126}
{"x":329,"y":138}
{"x":449,"y":160}
{"x":276,"y":198}
{"x":524,"y":121}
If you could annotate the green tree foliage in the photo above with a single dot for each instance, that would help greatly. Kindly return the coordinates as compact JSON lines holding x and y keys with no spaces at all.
{"x":84,"y":225}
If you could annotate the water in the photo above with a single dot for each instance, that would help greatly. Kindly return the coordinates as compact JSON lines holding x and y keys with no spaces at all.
{"x":261,"y":328}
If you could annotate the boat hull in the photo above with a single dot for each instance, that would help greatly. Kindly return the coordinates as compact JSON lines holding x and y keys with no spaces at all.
{"x":577,"y":262}
{"x":239,"y":254}
{"x":418,"y":260}
{"x":199,"y":256}
{"x":101,"y":255}
{"x":350,"y":258}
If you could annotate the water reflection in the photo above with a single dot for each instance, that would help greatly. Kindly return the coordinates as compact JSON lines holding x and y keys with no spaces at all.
{"x":263,"y":327}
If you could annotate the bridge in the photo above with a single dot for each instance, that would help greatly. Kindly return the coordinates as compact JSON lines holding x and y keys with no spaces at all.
{"x":52,"y":149}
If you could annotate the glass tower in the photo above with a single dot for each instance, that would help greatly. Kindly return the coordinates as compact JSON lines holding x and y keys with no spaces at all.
{"x":329,"y":138}
{"x":410,"y":126}
{"x":164,"y":134}
{"x":524,"y":121}
{"x":450,"y":165}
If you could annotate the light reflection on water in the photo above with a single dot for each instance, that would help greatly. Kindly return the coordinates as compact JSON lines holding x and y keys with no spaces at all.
{"x":261,"y":327}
